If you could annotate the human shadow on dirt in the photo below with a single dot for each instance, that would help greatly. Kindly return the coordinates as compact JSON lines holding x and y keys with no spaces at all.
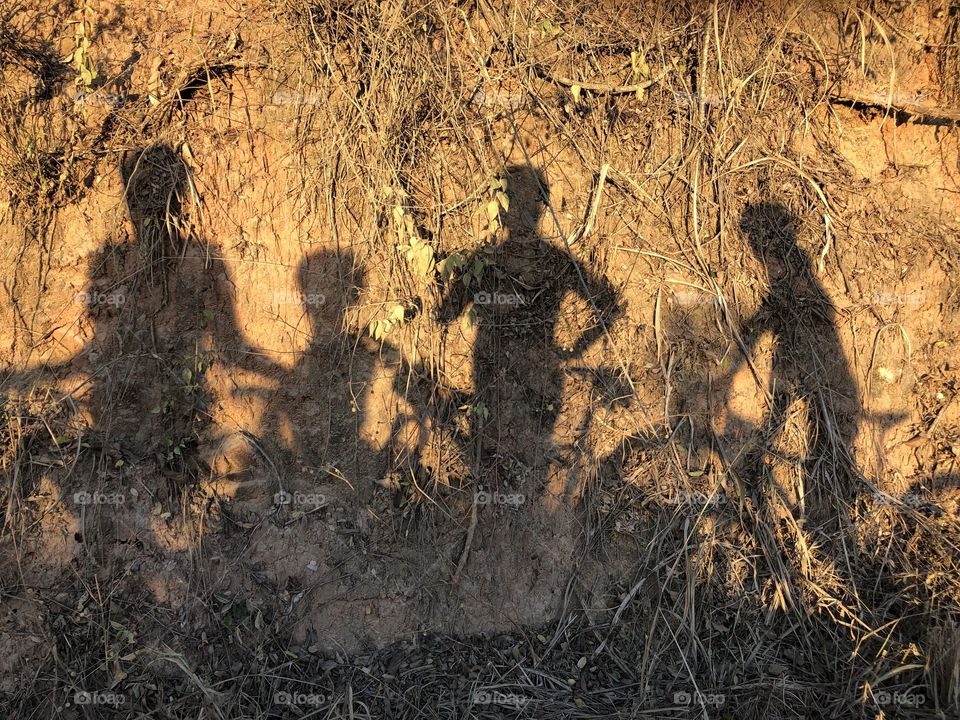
{"x":808,"y":362}
{"x":313,"y":411}
{"x":147,"y":312}
{"x":766,"y":507}
{"x":515,"y":298}
{"x":810,"y":391}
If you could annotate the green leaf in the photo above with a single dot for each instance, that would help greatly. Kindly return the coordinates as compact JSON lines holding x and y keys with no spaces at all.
{"x":549,"y":29}
{"x":445,"y":267}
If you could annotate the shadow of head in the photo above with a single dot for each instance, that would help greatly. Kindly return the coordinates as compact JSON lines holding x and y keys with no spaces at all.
{"x":528,"y":193}
{"x":329,"y":284}
{"x":771,"y":230}
{"x":154,"y":180}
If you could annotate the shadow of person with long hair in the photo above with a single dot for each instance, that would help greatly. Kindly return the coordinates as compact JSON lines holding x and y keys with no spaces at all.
{"x":146,"y":307}
{"x":183,"y":311}
{"x":148,"y":311}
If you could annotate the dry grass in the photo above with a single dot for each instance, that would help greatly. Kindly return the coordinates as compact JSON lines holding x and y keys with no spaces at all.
{"x":783,"y":610}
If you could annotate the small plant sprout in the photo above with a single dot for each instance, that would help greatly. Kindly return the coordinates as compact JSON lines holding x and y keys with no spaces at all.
{"x":86,"y":72}
{"x":640,"y":69}
{"x":496,"y":200}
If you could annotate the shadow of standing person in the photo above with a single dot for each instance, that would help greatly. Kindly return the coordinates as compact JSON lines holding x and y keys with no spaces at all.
{"x":522,"y":338}
{"x":809,"y":369}
{"x":148,"y":308}
{"x":337,"y":367}
{"x":184,"y":312}
{"x":141,"y":335}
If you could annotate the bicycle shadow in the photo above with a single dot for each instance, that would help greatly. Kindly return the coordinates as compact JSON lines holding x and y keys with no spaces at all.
{"x":754,"y":478}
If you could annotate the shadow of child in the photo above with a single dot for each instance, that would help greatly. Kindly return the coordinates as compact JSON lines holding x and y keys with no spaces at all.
{"x":320,"y":423}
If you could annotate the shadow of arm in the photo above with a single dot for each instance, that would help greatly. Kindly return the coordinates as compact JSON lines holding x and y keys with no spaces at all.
{"x":606,"y":304}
